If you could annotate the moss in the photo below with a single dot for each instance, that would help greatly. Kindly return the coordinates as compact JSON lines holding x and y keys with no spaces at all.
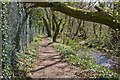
{"x":98,"y":17}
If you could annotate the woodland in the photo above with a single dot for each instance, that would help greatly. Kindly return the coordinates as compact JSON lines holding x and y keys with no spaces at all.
{"x":60,"y":40}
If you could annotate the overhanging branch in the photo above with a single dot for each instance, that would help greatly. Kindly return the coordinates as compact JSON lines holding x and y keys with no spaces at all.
{"x":97,"y":16}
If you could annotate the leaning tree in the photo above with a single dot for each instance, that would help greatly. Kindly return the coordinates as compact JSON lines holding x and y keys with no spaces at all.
{"x":99,"y":16}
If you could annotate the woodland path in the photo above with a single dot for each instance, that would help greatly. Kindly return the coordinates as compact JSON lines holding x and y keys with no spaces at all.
{"x":50,"y":64}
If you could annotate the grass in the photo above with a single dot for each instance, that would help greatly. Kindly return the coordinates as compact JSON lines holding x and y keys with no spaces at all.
{"x":84,"y":62}
{"x":25,"y":59}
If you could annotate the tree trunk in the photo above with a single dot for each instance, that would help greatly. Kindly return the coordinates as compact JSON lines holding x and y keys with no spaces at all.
{"x":57,"y":31}
{"x":48,"y":18}
{"x":94,"y":29}
{"x":47,"y":28}
{"x":79,"y":25}
{"x":53,"y":17}
{"x":96,"y":16}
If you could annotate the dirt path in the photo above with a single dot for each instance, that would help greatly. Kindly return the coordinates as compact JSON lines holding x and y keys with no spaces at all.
{"x":51,"y":65}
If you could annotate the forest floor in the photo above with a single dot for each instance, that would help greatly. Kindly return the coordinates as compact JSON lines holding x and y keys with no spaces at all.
{"x":50,"y":64}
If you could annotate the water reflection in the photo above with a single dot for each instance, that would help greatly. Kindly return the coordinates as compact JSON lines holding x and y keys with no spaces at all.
{"x":101,"y":59}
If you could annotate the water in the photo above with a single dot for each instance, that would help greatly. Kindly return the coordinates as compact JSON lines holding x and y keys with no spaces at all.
{"x":101,"y":59}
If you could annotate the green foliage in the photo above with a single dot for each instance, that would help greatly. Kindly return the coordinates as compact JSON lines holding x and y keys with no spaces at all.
{"x":84,"y":62}
{"x":15,"y":64}
{"x":6,"y":64}
{"x":19,"y":64}
{"x":73,"y":44}
{"x":107,"y":43}
{"x":64,"y":49}
{"x":25,"y":59}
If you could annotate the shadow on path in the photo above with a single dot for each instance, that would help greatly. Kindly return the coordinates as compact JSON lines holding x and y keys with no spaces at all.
{"x":46,"y":66}
{"x":51,"y":63}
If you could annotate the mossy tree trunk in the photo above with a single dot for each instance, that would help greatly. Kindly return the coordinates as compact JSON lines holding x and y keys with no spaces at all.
{"x":48,"y":18}
{"x":99,"y":16}
{"x":94,"y":29}
{"x":57,"y":30}
{"x":78,"y":28}
{"x":53,"y":19}
{"x":47,"y":27}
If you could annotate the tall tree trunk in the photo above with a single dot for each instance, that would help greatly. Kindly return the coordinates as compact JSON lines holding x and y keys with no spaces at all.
{"x":79,"y":25}
{"x":57,"y":31}
{"x":48,"y":18}
{"x":53,"y":19}
{"x":94,"y":29}
{"x":100,"y":29}
{"x":99,"y":16}
{"x":47,"y":28}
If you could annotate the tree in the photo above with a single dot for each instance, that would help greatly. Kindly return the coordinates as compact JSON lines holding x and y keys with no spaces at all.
{"x":47,"y":27}
{"x":99,"y":16}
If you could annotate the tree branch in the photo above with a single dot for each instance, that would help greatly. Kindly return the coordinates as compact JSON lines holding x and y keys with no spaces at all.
{"x":96,"y":16}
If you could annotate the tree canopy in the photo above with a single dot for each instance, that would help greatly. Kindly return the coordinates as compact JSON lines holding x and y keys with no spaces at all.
{"x":99,"y":16}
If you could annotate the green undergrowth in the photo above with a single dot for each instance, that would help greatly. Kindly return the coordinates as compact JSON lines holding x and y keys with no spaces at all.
{"x":84,"y":63}
{"x":26,"y":58}
{"x":104,"y":44}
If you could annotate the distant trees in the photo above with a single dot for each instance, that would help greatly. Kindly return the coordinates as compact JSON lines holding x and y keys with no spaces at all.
{"x":47,"y":27}
{"x":97,"y":16}
{"x":83,"y":21}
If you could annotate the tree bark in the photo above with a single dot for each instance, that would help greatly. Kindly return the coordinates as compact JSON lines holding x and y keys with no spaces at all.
{"x":57,"y":30}
{"x":78,"y":28}
{"x":47,"y":27}
{"x":96,"y":16}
